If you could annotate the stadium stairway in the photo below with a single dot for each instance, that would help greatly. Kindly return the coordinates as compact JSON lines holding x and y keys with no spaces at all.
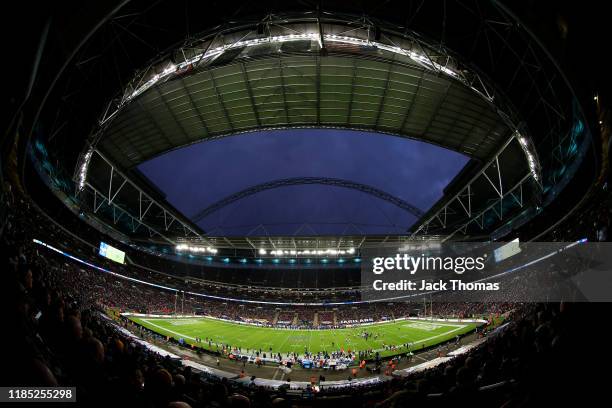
{"x":275,"y":318}
{"x":315,"y":319}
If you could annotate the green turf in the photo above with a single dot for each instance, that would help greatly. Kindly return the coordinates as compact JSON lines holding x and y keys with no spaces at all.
{"x":420,"y":334}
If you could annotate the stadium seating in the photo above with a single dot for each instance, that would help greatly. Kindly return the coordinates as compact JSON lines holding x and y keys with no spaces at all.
{"x":56,"y":325}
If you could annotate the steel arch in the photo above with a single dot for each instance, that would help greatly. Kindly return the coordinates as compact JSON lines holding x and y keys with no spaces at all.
{"x":296,"y":181}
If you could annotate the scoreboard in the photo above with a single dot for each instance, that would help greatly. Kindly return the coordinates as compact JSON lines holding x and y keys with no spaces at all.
{"x":112,"y":253}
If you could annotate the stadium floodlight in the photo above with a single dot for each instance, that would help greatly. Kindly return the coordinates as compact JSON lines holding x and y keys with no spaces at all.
{"x":82,"y":177}
{"x":308,"y":252}
{"x":262,"y":251}
{"x":170,"y":69}
{"x":420,"y":59}
{"x":195,"y":249}
{"x":529,"y":154}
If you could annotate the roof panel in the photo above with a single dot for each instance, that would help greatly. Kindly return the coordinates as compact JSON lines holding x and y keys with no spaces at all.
{"x":302,"y":90}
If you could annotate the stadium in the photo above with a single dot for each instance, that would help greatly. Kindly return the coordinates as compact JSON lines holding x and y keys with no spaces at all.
{"x":310,"y":203}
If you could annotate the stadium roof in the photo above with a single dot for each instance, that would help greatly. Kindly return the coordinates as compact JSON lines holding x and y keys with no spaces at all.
{"x":304,"y":73}
{"x":327,"y":69}
{"x":304,"y":91}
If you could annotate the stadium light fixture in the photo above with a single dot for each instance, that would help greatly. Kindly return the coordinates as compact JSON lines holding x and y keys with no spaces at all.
{"x":170,"y":69}
{"x":420,"y":59}
{"x":83,"y":169}
{"x":528,"y":150}
{"x":195,"y":249}
{"x":308,"y":252}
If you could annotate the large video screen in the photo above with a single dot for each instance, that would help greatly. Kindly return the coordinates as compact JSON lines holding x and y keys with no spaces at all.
{"x":510,"y":249}
{"x":111,"y":253}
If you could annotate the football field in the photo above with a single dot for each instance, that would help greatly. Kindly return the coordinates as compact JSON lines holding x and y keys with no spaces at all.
{"x":420,"y":334}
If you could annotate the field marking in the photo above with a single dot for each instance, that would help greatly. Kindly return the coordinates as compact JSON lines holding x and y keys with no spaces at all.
{"x":433,"y":337}
{"x":421,"y":341}
{"x":360,"y":326}
{"x":423,"y":326}
{"x":428,"y":338}
{"x":168,"y":330}
{"x":380,"y":324}
{"x":183,"y":322}
{"x":283,"y":343}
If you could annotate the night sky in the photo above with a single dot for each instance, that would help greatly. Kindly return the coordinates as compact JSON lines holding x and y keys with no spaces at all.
{"x":196,"y":176}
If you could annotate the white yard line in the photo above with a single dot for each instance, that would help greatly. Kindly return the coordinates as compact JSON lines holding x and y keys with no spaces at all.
{"x":382,"y":349}
{"x":431,"y":338}
{"x":433,"y":323}
{"x":168,"y":330}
